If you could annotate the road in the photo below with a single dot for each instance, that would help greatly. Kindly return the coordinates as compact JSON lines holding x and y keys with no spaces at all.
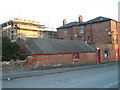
{"x":99,"y":77}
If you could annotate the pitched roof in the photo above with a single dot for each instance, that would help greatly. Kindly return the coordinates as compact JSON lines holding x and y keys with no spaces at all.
{"x":70,"y":25}
{"x":95,"y":20}
{"x":54,"y":46}
{"x":98,"y":19}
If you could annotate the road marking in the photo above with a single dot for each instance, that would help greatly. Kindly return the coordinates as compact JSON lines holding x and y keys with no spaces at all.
{"x":109,"y":85}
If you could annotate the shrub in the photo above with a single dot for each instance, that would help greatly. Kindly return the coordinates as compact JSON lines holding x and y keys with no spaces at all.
{"x":10,"y":50}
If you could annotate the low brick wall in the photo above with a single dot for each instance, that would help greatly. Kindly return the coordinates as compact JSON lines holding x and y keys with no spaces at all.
{"x":60,"y":60}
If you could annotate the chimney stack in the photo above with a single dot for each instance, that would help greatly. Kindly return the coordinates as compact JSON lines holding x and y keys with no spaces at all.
{"x":80,"y":19}
{"x":64,"y":22}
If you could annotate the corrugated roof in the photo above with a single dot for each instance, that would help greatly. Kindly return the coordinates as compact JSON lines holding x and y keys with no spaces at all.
{"x":95,"y":20}
{"x":54,"y":46}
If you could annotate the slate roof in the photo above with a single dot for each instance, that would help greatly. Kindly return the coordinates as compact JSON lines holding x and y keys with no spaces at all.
{"x":95,"y":20}
{"x":54,"y":46}
{"x":98,"y":19}
{"x":71,"y":24}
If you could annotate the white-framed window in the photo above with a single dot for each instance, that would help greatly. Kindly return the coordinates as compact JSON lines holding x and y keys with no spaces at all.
{"x":81,"y":29}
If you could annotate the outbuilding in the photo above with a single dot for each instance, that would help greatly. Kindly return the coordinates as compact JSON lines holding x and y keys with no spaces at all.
{"x":53,"y":52}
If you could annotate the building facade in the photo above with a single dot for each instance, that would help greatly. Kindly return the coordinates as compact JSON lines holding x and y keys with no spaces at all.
{"x":22,"y":28}
{"x":102,"y":33}
{"x":53,"y":52}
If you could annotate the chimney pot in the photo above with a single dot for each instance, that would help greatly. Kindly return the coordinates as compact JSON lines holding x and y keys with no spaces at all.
{"x":80,"y":19}
{"x":64,"y":22}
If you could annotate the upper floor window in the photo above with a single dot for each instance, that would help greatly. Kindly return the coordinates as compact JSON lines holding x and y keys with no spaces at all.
{"x":88,"y":37}
{"x":65,"y":31}
{"x":81,"y":29}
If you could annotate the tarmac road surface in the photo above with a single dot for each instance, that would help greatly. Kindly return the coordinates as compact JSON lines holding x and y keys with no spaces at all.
{"x":98,"y":77}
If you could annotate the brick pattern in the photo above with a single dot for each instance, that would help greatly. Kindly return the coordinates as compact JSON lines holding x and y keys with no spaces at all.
{"x":72,"y":33}
{"x":62,"y":60}
{"x":98,"y":32}
{"x":110,"y":49}
{"x":99,"y":35}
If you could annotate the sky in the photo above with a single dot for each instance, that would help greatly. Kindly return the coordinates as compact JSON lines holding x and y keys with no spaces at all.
{"x":52,"y":12}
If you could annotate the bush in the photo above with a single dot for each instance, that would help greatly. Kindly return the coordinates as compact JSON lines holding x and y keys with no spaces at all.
{"x":10,"y":50}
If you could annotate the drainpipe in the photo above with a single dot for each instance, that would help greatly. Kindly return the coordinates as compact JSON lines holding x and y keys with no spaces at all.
{"x":91,"y":32}
{"x":116,"y":43}
{"x":98,"y":56}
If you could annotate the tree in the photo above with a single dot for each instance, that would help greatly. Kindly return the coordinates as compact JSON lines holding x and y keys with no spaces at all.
{"x":10,"y":50}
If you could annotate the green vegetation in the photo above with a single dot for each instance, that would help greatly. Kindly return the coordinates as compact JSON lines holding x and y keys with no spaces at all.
{"x":10,"y":50}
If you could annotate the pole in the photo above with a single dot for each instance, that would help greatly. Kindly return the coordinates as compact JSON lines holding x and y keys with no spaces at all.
{"x":98,"y":57}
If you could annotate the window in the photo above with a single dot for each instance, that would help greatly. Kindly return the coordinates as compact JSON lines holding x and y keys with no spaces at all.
{"x":116,"y":38}
{"x":76,"y":56}
{"x":12,"y":37}
{"x":81,"y":29}
{"x":80,"y":37}
{"x":101,"y":18}
{"x":61,"y":38}
{"x":65,"y":31}
{"x":106,"y":54}
{"x":71,"y":38}
{"x":88,"y":37}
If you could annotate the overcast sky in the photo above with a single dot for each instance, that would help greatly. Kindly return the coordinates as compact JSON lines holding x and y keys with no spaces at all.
{"x":52,"y":12}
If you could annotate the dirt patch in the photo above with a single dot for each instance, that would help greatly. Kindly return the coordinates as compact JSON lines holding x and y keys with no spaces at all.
{"x":14,"y":66}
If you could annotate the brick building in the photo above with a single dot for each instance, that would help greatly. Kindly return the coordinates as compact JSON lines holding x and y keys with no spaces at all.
{"x":53,"y":52}
{"x":22,"y":28}
{"x":101,"y":32}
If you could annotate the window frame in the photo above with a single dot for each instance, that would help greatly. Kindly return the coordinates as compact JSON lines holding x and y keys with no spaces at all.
{"x":82,"y":29}
{"x":106,"y":54}
{"x":75,"y":57}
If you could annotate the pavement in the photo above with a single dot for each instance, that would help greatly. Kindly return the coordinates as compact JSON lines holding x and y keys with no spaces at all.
{"x":24,"y":74}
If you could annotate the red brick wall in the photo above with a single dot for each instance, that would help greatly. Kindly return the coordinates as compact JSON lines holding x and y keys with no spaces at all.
{"x":110,"y":49}
{"x":98,"y":32}
{"x":94,"y":33}
{"x":71,"y":32}
{"x":118,"y":28}
{"x":61,"y":59}
{"x":60,"y":33}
